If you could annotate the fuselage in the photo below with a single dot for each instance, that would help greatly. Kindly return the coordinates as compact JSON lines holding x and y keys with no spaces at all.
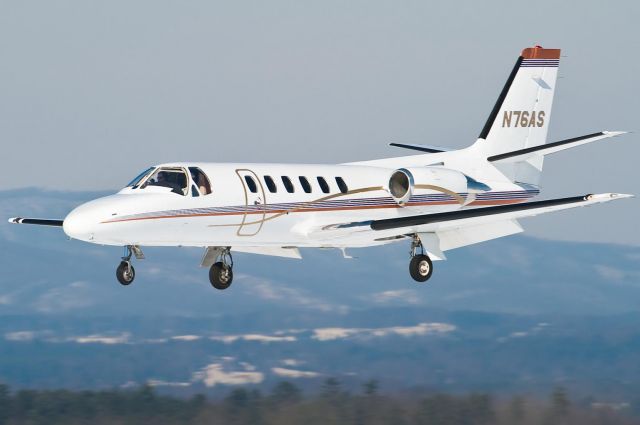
{"x":269,"y":204}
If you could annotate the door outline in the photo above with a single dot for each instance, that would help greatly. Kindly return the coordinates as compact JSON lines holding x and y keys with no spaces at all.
{"x":246,"y":221}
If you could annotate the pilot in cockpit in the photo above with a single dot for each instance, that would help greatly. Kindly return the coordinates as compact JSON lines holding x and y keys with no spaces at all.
{"x":163,"y":180}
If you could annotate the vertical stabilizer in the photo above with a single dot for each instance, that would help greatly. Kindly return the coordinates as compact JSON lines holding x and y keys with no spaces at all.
{"x":520,"y":117}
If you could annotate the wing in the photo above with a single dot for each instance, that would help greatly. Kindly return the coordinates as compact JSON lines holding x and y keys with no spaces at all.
{"x":36,"y":221}
{"x":482,"y":215}
{"x":443,"y":231}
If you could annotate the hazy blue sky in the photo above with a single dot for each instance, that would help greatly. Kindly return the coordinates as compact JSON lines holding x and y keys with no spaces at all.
{"x":93,"y":92}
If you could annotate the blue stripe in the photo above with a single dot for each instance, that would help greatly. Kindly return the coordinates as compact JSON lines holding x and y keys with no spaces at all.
{"x":361,"y":202}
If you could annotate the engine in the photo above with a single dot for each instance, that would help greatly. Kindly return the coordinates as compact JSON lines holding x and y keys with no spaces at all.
{"x":404,"y":182}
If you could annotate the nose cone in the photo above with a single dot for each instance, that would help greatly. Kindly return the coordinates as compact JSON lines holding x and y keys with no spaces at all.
{"x":80,"y":223}
{"x":83,"y":222}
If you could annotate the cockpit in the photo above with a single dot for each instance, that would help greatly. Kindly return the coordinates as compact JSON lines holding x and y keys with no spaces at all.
{"x":179,"y":180}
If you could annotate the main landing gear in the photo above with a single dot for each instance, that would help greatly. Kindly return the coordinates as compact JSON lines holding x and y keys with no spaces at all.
{"x":221,"y":272}
{"x":125,"y":271}
{"x":420,"y":267}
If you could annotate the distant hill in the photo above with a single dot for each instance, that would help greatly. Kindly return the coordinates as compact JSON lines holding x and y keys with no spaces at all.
{"x":512,"y":315}
{"x":406,"y":349}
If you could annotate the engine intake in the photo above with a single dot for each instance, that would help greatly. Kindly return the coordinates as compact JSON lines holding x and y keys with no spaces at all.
{"x":401,"y":186}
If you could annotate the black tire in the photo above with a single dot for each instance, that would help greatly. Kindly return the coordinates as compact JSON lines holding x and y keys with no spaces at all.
{"x":125,"y":273}
{"x":420,"y":268}
{"x":220,"y":276}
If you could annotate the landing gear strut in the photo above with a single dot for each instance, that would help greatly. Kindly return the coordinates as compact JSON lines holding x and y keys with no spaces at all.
{"x":420,"y":267}
{"x":125,"y":271}
{"x":221,"y":272}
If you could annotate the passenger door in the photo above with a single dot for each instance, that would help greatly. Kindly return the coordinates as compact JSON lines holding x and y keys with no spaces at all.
{"x":255,"y":203}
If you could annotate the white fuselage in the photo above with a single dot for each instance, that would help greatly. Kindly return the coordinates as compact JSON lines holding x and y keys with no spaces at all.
{"x":238,"y":214}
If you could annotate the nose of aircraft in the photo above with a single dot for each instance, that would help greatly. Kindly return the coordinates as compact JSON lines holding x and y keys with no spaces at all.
{"x":82,"y":223}
{"x":79,"y":223}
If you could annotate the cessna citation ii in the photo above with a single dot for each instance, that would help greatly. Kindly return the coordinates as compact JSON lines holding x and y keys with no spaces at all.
{"x":435,"y":200}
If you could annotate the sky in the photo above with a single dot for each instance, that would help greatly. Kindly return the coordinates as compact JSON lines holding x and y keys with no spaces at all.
{"x":91,"y":93}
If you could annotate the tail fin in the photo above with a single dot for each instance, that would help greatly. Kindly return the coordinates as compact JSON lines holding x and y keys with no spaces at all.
{"x":520,"y":117}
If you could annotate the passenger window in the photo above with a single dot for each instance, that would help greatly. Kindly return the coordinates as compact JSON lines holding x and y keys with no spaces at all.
{"x":200,"y":180}
{"x":305,"y":184}
{"x":174,"y":178}
{"x":341,"y":185}
{"x":251,"y":184}
{"x":271,"y":185}
{"x":287,"y":184}
{"x":323,"y":185}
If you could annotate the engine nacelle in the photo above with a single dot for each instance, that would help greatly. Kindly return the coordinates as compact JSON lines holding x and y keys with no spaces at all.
{"x":404,"y":182}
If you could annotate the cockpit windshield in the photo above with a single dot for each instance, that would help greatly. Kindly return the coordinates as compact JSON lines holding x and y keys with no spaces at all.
{"x":174,"y":178}
{"x":140,"y":177}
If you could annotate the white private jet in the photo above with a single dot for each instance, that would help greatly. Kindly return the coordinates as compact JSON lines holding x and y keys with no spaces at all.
{"x":437,"y":200}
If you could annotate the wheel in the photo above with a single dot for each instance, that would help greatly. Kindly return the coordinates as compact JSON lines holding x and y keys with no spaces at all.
{"x":220,"y":276}
{"x":420,"y":268}
{"x":125,"y":273}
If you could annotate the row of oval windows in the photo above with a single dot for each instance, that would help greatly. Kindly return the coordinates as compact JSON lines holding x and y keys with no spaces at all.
{"x":288,"y":185}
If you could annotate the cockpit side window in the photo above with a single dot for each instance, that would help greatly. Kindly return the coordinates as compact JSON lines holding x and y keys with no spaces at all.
{"x":138,"y":179}
{"x":201,"y":180}
{"x":174,"y":178}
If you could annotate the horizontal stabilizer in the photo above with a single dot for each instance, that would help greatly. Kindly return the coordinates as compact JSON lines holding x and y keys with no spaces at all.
{"x":421,"y":148}
{"x":36,"y":221}
{"x":523,"y":154}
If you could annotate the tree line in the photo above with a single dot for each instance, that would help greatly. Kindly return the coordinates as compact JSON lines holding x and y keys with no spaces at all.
{"x":286,"y":404}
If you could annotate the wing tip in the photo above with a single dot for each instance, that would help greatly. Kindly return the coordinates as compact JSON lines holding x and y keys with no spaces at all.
{"x":603,"y":197}
{"x":614,"y":133}
{"x":14,"y":220}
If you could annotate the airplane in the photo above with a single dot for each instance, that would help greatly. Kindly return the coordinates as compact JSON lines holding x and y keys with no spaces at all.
{"x":435,"y":200}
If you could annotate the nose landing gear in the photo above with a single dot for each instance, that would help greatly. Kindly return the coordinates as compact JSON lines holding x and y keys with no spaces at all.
{"x":420,"y":267}
{"x":221,"y":272}
{"x":125,"y":273}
